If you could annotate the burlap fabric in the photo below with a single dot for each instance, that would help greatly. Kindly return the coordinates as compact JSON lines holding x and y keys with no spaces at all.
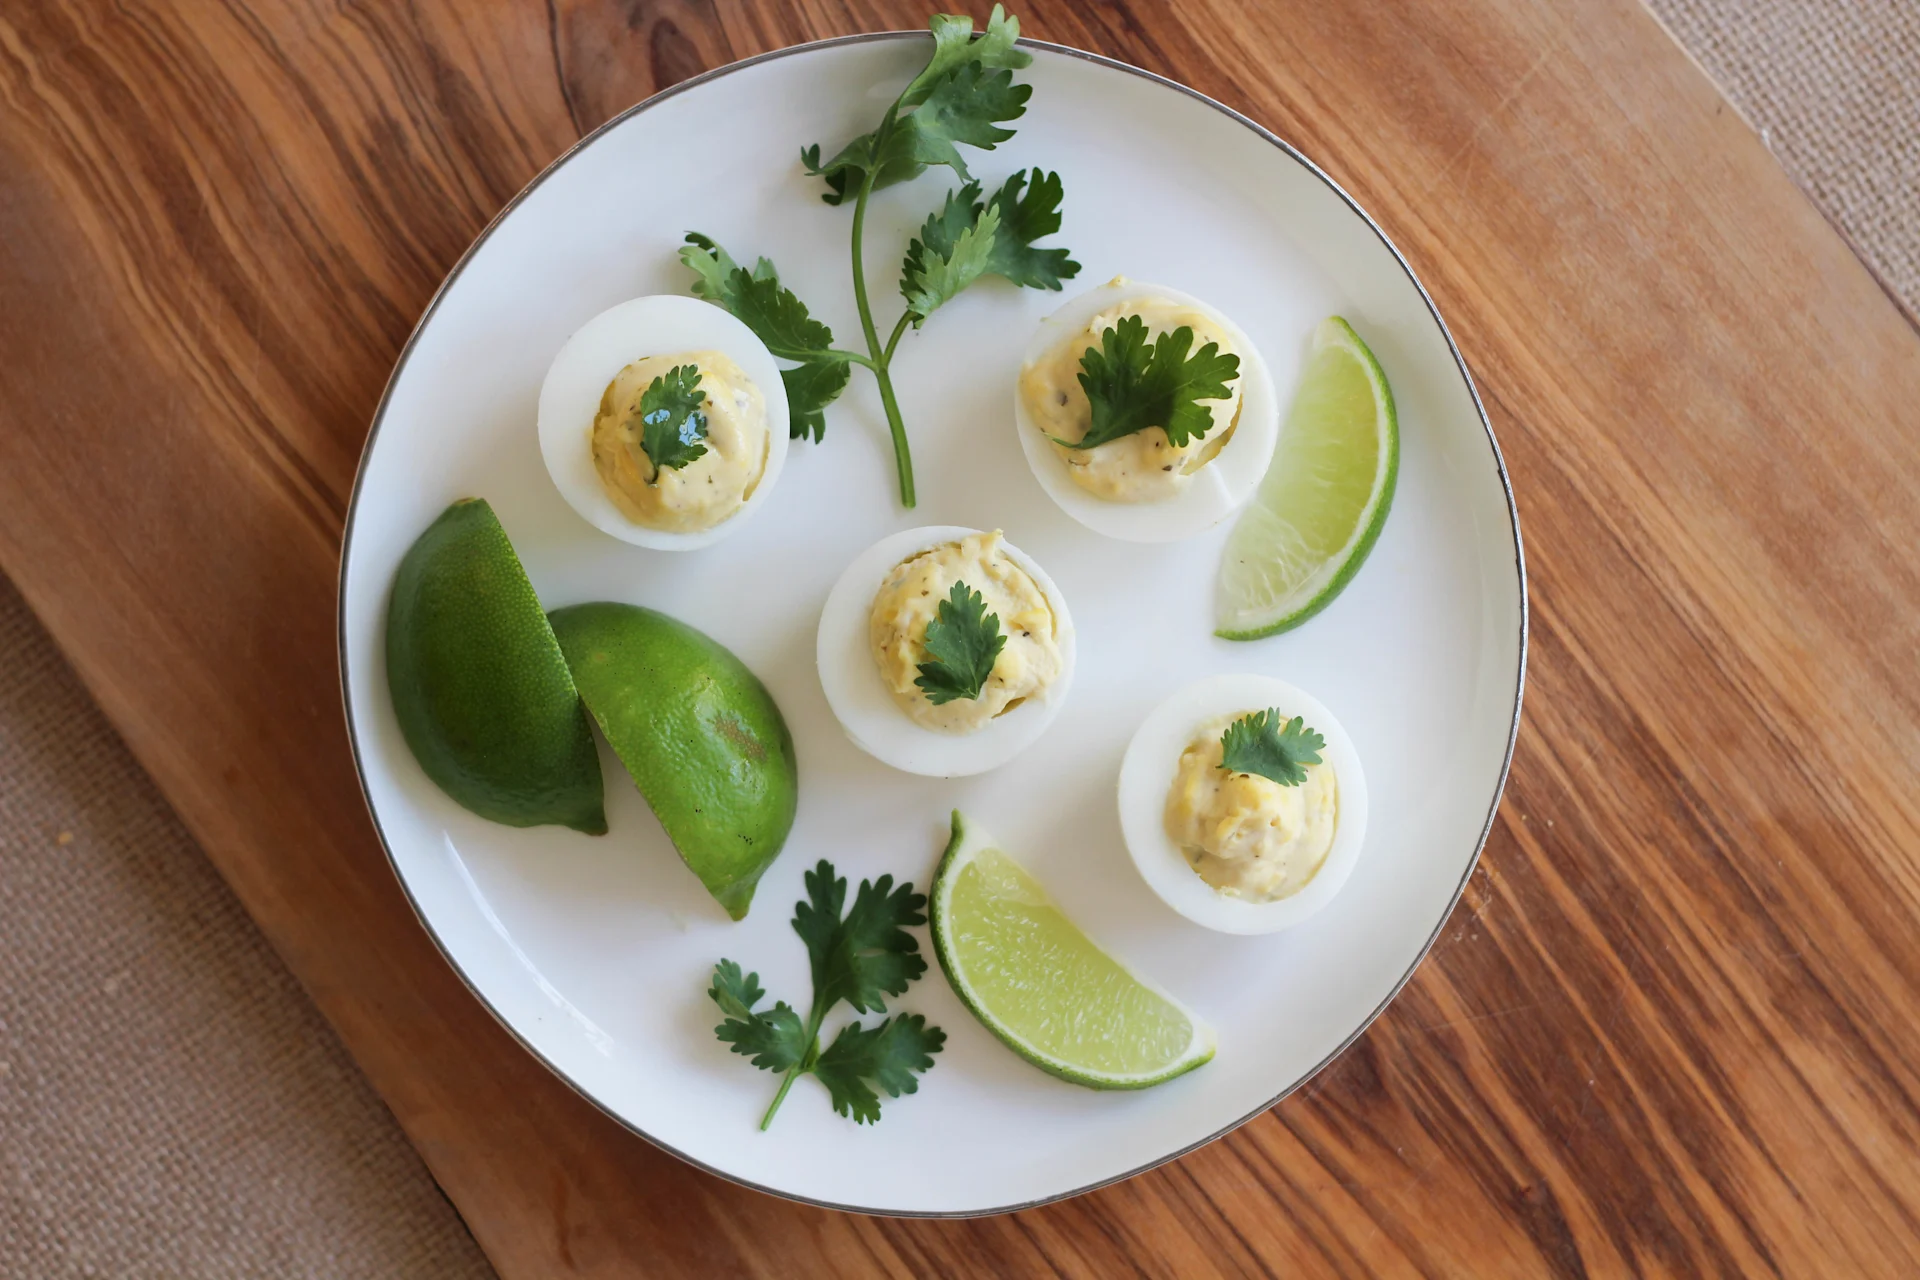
{"x":171,"y":1105}
{"x":1834,"y":88}
{"x":170,"y":1102}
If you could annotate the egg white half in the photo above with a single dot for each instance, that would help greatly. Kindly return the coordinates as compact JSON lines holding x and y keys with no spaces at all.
{"x":860,"y":698}
{"x":660,"y":325}
{"x":1217,"y":489}
{"x":1147,"y":773}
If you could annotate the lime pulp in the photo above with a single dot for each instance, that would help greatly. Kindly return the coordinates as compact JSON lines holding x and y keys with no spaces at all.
{"x":1037,"y":982}
{"x":1325,"y":497}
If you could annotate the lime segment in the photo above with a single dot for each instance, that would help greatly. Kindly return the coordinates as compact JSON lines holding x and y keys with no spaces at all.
{"x":1035,"y":981}
{"x":479,"y":686}
{"x":699,"y":733}
{"x":1320,"y":509}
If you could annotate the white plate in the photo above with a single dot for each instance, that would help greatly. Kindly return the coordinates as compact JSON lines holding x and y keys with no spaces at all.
{"x":595,"y":953}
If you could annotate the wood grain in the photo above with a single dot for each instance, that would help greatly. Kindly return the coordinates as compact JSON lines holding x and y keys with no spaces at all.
{"x":1671,"y":1028}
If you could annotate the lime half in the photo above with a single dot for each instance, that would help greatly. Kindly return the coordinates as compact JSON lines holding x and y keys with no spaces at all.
{"x":1320,"y":508}
{"x":1035,"y":980}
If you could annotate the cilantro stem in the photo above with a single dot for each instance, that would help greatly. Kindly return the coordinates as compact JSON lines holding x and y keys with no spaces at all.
{"x":894,"y":340}
{"x":902,"y":456}
{"x":780,"y":1097}
{"x":801,"y":1067}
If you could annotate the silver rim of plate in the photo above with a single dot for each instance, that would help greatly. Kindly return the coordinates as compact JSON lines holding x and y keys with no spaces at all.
{"x":1266,"y":135}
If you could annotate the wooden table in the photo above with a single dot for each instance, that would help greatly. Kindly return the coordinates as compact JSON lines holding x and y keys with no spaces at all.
{"x":1672,"y":1026}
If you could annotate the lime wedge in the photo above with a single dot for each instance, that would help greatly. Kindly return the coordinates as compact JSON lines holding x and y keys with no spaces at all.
{"x":1320,"y":508}
{"x":699,"y":733}
{"x":479,"y":685}
{"x":1035,"y":980}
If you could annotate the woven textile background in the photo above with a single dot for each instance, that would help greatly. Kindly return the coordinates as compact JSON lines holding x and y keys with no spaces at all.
{"x":172,"y":1105}
{"x":1834,"y":88}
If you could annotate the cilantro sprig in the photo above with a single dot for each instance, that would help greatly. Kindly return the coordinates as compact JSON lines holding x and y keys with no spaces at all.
{"x":861,"y":957}
{"x":779,"y":319}
{"x":1132,"y":384}
{"x":964,"y":96}
{"x":673,"y":426}
{"x":963,"y":642}
{"x":1270,"y":746}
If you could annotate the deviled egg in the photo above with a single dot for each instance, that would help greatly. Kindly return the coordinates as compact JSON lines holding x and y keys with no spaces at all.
{"x":945,"y":651}
{"x":663,"y":422}
{"x":1243,"y":803}
{"x":1141,"y":486}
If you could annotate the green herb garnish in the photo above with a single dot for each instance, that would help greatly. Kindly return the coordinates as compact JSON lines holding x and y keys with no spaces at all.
{"x":672,"y":424}
{"x":967,"y":239}
{"x":963,"y":96}
{"x":781,"y":320}
{"x":860,"y":959}
{"x":963,"y":641}
{"x":1263,"y":743}
{"x":810,"y":389}
{"x":1132,"y":385}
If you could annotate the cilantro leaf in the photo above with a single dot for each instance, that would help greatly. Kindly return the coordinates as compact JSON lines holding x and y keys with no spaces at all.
{"x":889,"y":1055}
{"x":714,"y":267}
{"x":1264,"y":744}
{"x":965,"y":108}
{"x":776,"y":316}
{"x":845,"y":173}
{"x":810,"y":389}
{"x":816,"y":918}
{"x":967,"y":239}
{"x":867,"y":956}
{"x":944,"y":261}
{"x":672,"y":423}
{"x":962,"y":95}
{"x":862,"y":959}
{"x":1024,"y":220}
{"x":779,"y":319}
{"x":963,"y":642}
{"x":942,"y":230}
{"x":953,"y":44}
{"x":875,"y":956}
{"x":1132,"y":385}
{"x":774,"y":1040}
